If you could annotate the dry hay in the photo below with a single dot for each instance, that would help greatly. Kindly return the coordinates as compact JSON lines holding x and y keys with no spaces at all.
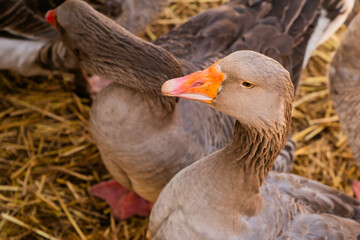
{"x":48,"y":161}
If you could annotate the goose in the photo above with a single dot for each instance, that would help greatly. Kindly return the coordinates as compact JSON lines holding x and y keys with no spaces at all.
{"x":344,"y":78}
{"x":230,"y":194}
{"x":29,"y":45}
{"x":145,"y":138}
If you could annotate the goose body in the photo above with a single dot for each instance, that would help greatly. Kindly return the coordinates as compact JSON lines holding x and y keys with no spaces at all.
{"x":345,"y":85}
{"x":313,"y":211}
{"x":344,"y":76}
{"x":145,"y":138}
{"x":230,"y":194}
{"x":29,"y":45}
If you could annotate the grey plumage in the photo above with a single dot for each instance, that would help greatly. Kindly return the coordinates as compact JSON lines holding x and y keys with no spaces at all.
{"x":286,"y":157}
{"x":230,"y":194}
{"x":131,"y":122}
{"x":345,"y":86}
{"x":284,"y":30}
{"x":17,"y":18}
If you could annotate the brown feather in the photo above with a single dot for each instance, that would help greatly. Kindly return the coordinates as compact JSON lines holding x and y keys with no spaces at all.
{"x":138,"y":67}
{"x":345,"y":86}
{"x":230,"y":194}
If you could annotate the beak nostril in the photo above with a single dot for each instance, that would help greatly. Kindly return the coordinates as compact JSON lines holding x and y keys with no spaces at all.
{"x":201,"y":86}
{"x":196,"y":84}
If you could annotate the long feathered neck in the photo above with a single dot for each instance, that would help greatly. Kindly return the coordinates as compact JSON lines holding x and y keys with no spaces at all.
{"x":106,"y":49}
{"x":235,"y":174}
{"x":255,"y":146}
{"x":254,"y":149}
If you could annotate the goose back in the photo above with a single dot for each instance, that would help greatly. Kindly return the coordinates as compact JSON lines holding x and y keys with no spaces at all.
{"x":25,"y":18}
{"x":20,"y":20}
{"x":287,"y":31}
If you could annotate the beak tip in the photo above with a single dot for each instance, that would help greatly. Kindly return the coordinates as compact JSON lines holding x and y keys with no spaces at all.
{"x":168,"y":87}
{"x":50,"y":17}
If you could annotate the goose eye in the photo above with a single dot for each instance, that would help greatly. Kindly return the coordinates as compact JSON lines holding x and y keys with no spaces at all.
{"x":247,"y":84}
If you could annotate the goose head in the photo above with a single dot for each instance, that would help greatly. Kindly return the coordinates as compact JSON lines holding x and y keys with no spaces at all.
{"x":104,"y":48}
{"x":68,"y":17}
{"x":246,"y":85}
{"x":72,"y":20}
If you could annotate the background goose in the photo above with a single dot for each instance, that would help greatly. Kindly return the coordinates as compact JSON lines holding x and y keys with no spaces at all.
{"x":345,"y":89}
{"x":229,"y":194}
{"x":132,"y":123}
{"x":29,"y":45}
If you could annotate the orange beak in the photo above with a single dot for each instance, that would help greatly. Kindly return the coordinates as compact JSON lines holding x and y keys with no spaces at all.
{"x":51,"y":18}
{"x":201,"y":86}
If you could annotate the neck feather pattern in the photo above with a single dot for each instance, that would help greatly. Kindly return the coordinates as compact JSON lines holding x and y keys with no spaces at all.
{"x":105,"y":48}
{"x":255,"y":149}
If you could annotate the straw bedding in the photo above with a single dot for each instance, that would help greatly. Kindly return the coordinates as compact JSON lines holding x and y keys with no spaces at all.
{"x":48,"y":161}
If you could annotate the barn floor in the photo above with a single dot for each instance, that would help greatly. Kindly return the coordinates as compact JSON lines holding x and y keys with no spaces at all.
{"x":48,"y":161}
